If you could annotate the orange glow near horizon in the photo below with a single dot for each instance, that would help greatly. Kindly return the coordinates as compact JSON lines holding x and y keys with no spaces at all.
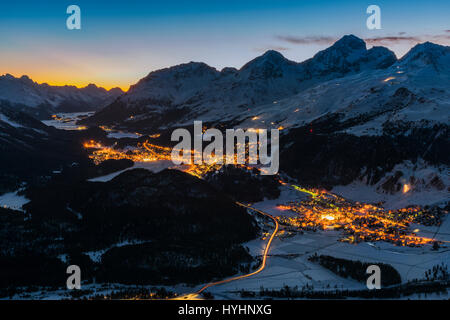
{"x":58,"y":79}
{"x":83,"y":84}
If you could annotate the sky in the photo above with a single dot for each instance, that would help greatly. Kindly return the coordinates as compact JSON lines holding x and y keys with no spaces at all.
{"x":120,"y":42}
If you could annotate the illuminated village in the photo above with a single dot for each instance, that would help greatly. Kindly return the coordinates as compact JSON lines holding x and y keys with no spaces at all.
{"x":357,"y":222}
{"x":315,"y":168}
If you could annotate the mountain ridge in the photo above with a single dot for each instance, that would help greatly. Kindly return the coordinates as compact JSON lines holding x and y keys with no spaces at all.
{"x":272,"y":85}
{"x":41,"y":100}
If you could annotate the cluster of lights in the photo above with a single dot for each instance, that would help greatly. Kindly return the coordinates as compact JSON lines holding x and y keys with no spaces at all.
{"x":145,"y":152}
{"x":359,"y":222}
{"x":148,"y":152}
{"x":322,"y":210}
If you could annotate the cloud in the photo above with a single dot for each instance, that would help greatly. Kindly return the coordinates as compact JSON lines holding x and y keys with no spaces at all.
{"x":330,"y":40}
{"x":444,"y":37}
{"x":392,"y":39}
{"x":307,"y":40}
{"x":276,"y":48}
{"x":401,"y":38}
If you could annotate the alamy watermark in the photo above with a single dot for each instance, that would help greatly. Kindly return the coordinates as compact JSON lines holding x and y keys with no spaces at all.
{"x":237,"y":143}
{"x":374,"y":280}
{"x":374,"y":20}
{"x":74,"y":280}
{"x":73,"y":22}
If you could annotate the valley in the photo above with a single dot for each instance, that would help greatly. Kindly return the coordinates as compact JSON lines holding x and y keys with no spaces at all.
{"x":363,"y":179}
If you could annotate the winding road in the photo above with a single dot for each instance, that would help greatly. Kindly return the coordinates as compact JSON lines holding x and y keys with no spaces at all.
{"x":195,"y":296}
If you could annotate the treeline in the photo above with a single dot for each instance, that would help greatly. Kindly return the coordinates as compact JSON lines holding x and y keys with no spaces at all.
{"x":168,"y":264}
{"x":136,"y":293}
{"x":326,"y":160}
{"x":163,"y":228}
{"x":357,"y":269}
{"x":438,"y":272}
{"x":243,"y":184}
{"x":394,"y":292}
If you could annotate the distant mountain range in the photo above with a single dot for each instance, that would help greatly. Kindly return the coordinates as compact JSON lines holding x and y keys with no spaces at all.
{"x":347,"y":80}
{"x":346,"y":114}
{"x":41,"y":100}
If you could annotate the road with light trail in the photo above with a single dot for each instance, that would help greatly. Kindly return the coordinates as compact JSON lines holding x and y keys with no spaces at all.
{"x":195,"y":296}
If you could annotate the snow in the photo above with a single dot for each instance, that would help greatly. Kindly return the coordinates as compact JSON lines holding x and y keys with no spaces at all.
{"x":359,"y":191}
{"x":288,"y":262}
{"x":25,"y":91}
{"x":96,"y":256}
{"x":14,"y":124}
{"x":119,"y":135}
{"x":69,"y":120}
{"x":154,"y":166}
{"x":13,"y":201}
{"x":63,"y":257}
{"x":421,"y":193}
{"x":345,"y":79}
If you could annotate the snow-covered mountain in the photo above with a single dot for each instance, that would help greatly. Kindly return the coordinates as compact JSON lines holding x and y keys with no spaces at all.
{"x":364,"y":89}
{"x":197,"y":91}
{"x":43,"y":99}
{"x":414,"y":90}
{"x":348,"y":114}
{"x":29,"y":148}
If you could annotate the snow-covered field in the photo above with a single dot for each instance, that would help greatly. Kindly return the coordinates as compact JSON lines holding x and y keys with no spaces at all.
{"x":416,"y":187}
{"x":7,"y":120}
{"x":13,"y":201}
{"x":69,"y":122}
{"x":153,"y":166}
{"x":288,"y":262}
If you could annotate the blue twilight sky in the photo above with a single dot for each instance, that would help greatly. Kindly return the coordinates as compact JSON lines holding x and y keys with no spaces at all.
{"x":122,"y":41}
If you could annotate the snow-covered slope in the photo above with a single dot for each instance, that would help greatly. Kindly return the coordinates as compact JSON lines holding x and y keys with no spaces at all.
{"x":407,"y":184}
{"x":344,"y":110}
{"x":43,"y":97}
{"x":414,"y":89}
{"x":200,"y":92}
{"x":364,"y":90}
{"x":29,"y":148}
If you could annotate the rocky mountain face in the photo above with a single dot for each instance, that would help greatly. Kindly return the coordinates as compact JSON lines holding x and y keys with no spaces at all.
{"x":358,"y":112}
{"x":42,"y":100}
{"x":197,"y":91}
{"x":327,"y":160}
{"x":30,"y":150}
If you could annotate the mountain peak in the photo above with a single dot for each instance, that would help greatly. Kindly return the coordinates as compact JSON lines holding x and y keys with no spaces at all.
{"x":67,"y":98}
{"x":116,"y":90}
{"x":270,"y":56}
{"x":426,"y":48}
{"x":23,"y":79}
{"x":273,"y":54}
{"x":7,"y":76}
{"x":26,"y":80}
{"x":268,"y":65}
{"x":350,"y":41}
{"x":344,"y":56}
{"x":348,"y":46}
{"x":181,"y":70}
{"x":426,"y":53}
